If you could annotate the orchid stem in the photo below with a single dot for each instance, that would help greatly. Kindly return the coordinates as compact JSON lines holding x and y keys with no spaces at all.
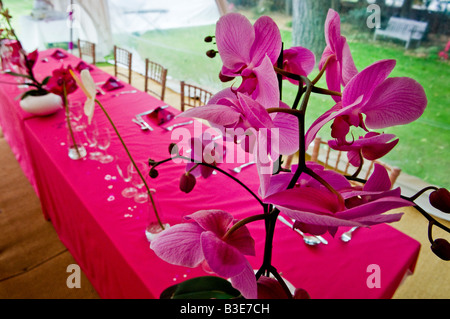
{"x":317,"y":78}
{"x":361,"y":161}
{"x":134,"y":164}
{"x":281,"y":281}
{"x":318,"y":90}
{"x":419,"y":193}
{"x":244,"y":222}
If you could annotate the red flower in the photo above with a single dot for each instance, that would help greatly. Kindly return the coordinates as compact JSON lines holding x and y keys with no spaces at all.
{"x":62,"y":78}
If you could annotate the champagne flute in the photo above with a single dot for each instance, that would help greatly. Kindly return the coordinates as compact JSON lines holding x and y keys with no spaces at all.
{"x":141,"y":195}
{"x":91,"y":133}
{"x":103,"y":143}
{"x":76,"y":112}
{"x":124,"y":168}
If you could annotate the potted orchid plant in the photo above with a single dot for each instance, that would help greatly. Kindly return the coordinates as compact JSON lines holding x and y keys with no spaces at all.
{"x":16,"y":62}
{"x":315,"y":199}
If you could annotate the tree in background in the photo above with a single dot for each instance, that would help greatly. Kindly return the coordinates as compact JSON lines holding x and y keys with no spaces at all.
{"x":308,"y":18}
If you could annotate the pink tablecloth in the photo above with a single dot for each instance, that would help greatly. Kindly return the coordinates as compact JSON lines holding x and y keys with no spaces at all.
{"x":105,"y":232}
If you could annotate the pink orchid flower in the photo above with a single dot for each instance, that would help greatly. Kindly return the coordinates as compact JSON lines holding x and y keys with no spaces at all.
{"x":340,"y":68}
{"x":298,"y":60}
{"x":62,"y":81}
{"x":317,"y":210}
{"x":384,"y":101}
{"x":240,"y":114}
{"x":249,"y":51}
{"x":372,"y":146}
{"x":201,"y":240}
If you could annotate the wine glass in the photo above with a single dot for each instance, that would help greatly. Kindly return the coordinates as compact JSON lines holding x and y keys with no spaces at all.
{"x":124,"y":168}
{"x":76,"y":112}
{"x":141,"y":195}
{"x":103,"y":143}
{"x":91,"y":133}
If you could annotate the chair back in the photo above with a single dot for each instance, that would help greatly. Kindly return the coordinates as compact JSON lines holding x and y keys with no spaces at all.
{"x":122,"y":58}
{"x":192,"y":96}
{"x":86,"y":48}
{"x":155,"y":72}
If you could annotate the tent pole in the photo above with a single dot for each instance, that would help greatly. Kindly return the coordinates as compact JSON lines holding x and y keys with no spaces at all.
{"x":71,"y":26}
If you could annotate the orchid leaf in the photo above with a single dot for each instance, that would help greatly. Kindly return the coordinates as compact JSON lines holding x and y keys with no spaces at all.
{"x":201,"y":288}
{"x":18,"y":74}
{"x":33,"y":93}
{"x":45,"y":81}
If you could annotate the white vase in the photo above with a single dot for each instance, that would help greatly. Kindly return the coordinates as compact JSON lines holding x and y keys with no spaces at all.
{"x":42,"y":105}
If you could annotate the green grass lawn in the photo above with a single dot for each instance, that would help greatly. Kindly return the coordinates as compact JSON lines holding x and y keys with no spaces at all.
{"x":423,"y":150}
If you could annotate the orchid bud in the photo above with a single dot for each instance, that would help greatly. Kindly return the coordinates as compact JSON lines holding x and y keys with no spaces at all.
{"x":187,"y":182}
{"x":153,"y":173}
{"x":173,"y":149}
{"x":441,"y":248}
{"x":211,"y":53}
{"x":440,"y":199}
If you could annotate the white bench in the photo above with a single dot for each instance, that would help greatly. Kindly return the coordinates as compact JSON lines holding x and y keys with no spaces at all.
{"x":403,"y":29}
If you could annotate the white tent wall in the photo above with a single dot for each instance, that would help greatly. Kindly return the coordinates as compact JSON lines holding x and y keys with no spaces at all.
{"x":92,"y":23}
{"x":121,"y":22}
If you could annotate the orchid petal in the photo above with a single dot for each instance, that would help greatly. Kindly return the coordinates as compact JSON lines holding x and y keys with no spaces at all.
{"x":215,"y":113}
{"x":216,"y":221}
{"x":245,"y":282}
{"x":397,"y":101}
{"x":316,"y":219}
{"x":243,"y":241}
{"x":267,"y":41}
{"x":288,"y":132}
{"x":379,"y":206}
{"x":179,"y":245}
{"x":364,"y":83}
{"x":235,"y":36}
{"x":255,"y":114}
{"x":266,"y":91}
{"x":306,"y":199}
{"x":375,"y":151}
{"x":333,"y":78}
{"x":333,"y":30}
{"x":378,"y":180}
{"x":349,"y":69}
{"x":379,"y":219}
{"x":224,"y":259}
{"x":298,"y":60}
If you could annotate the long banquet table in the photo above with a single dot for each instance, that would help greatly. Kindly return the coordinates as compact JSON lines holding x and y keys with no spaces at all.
{"x":105,"y":231}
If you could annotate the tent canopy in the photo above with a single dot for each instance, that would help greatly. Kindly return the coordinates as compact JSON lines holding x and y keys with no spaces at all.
{"x":99,"y":21}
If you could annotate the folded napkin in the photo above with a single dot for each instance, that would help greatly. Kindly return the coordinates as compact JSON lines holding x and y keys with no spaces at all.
{"x":83,"y":66}
{"x":112,"y":84}
{"x":59,"y":55}
{"x":161,"y":115}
